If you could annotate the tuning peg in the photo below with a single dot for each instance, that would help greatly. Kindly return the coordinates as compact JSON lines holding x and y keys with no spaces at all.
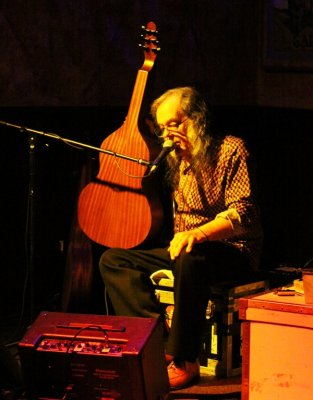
{"x":154,"y":31}
{"x":151,"y":41}
{"x":147,"y":48}
{"x":144,"y":47}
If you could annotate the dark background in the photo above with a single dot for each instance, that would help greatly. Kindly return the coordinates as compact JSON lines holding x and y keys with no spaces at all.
{"x":69,"y":67}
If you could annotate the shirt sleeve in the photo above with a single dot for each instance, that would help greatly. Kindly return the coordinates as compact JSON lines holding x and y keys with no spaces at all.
{"x":240,"y":191}
{"x":232,"y":216}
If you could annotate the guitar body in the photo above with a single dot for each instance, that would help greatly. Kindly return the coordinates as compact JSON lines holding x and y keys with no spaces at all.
{"x":118,"y":210}
{"x":121,"y":208}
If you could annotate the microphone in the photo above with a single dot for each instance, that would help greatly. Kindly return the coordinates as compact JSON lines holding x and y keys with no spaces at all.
{"x":168,"y":146}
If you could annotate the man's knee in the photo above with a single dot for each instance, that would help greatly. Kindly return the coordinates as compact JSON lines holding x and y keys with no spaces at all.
{"x":193,"y":256}
{"x":114,"y":254}
{"x":185,"y":262}
{"x":109,"y":258}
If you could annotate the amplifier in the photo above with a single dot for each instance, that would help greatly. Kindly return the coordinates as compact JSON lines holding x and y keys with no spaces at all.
{"x":93,"y":357}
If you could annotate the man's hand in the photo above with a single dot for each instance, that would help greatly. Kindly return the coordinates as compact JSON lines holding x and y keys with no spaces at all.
{"x":184,"y":239}
{"x":217,"y":229}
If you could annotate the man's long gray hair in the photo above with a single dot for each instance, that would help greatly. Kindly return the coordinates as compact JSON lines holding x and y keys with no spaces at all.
{"x":194,"y":107}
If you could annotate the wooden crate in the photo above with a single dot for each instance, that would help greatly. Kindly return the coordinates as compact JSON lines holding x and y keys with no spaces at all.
{"x":221,"y":343}
{"x":277,"y":356}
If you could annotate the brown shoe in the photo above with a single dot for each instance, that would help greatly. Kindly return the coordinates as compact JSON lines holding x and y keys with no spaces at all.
{"x":183,"y":374}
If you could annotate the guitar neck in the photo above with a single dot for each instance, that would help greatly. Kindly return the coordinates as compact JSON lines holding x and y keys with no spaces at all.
{"x":136,"y":99}
{"x":151,"y":49}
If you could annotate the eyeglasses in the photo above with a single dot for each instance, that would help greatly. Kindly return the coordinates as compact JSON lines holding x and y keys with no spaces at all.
{"x":172,"y":127}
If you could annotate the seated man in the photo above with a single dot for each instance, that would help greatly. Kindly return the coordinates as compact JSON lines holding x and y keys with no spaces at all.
{"x":217,"y":231}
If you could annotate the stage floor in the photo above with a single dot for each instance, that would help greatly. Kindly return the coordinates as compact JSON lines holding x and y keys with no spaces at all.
{"x":210,"y":387}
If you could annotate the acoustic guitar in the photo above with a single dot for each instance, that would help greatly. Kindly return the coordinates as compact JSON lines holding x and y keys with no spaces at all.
{"x":121,"y":207}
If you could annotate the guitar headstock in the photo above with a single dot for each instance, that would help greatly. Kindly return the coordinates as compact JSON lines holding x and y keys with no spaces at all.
{"x":150,"y":45}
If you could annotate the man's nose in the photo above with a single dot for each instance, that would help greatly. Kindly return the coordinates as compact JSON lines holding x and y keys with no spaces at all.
{"x":167,"y":133}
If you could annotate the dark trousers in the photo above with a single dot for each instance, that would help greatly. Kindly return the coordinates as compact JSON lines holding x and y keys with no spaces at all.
{"x":126,"y":275}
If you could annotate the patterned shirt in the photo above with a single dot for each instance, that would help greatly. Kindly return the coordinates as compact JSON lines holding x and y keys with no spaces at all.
{"x":224,"y":190}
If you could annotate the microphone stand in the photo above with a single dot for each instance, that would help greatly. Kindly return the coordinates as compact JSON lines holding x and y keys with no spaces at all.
{"x":31,"y":222}
{"x":77,"y":144}
{"x":32,"y":192}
